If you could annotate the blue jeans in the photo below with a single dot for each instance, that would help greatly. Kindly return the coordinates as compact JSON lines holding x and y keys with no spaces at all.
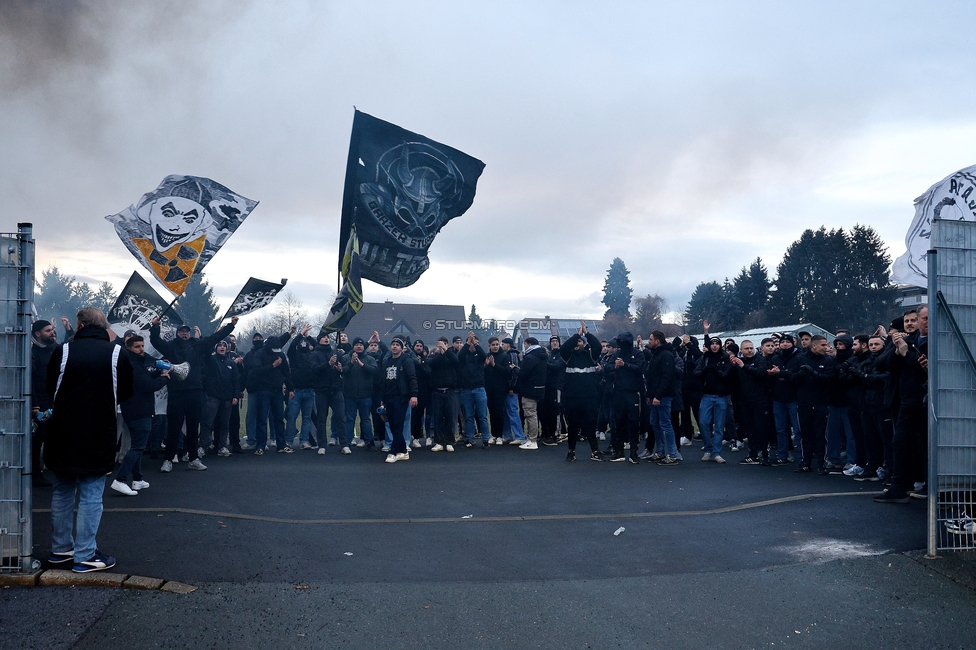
{"x":474,"y":403}
{"x":78,"y":534}
{"x":139,"y":432}
{"x":364,"y":407}
{"x":784,"y":413}
{"x":839,"y":427}
{"x":303,"y":402}
{"x":712,"y":412}
{"x":513,"y":421}
{"x":268,"y":402}
{"x":664,"y":443}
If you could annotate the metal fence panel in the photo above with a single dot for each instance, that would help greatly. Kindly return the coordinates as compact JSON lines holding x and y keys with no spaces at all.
{"x":16,"y":306}
{"x":952,"y":379}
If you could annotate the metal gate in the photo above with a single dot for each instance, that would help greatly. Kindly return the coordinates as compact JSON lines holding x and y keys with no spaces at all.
{"x":952,"y":386}
{"x":16,"y":306}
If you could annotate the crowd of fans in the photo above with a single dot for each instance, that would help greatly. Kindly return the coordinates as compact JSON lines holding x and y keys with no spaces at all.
{"x":852,"y":407}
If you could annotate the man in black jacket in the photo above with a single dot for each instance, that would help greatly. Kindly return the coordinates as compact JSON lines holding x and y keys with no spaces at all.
{"x":756,"y":389}
{"x":266,"y":371}
{"x":357,"y":388}
{"x":185,"y":405}
{"x":442,"y":364}
{"x":784,"y":398}
{"x":908,"y":360}
{"x":714,"y":369}
{"x":137,"y":412}
{"x":813,"y":378}
{"x":303,"y":382}
{"x":327,"y":369}
{"x":44,"y":340}
{"x":86,"y":378}
{"x":582,"y":390}
{"x":532,"y":388}
{"x":662,"y":387}
{"x":625,"y":370}
{"x":550,"y":410}
{"x":399,"y":389}
{"x":474,"y":397}
{"x":221,"y":386}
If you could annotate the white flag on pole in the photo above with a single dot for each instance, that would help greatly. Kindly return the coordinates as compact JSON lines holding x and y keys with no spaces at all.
{"x":953,"y":198}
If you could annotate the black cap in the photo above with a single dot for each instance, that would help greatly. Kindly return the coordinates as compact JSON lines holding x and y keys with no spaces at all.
{"x":39,"y":325}
{"x":183,"y":328}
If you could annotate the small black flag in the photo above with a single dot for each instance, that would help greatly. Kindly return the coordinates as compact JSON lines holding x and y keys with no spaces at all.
{"x":401,"y":188}
{"x":255,"y":295}
{"x":138,"y":304}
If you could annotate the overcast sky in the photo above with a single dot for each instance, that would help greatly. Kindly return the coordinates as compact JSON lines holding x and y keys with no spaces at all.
{"x":685,"y":138}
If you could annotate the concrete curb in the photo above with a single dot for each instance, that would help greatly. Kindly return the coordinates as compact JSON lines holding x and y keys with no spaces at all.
{"x":62,"y":578}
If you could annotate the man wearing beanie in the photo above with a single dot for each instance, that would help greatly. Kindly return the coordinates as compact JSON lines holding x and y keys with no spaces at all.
{"x":399,"y":390}
{"x":44,"y":340}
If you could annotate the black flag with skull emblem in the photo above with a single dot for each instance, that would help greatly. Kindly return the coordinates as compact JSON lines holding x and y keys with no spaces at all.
{"x":401,"y":188}
{"x":255,"y":295}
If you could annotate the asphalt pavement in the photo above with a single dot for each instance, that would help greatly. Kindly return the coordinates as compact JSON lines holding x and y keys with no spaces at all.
{"x":503,"y":548}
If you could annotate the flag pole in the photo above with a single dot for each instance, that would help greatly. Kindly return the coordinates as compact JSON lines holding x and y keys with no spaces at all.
{"x":169,"y":306}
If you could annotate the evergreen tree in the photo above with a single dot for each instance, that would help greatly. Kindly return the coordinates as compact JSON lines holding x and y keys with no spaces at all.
{"x":617,"y":293}
{"x":198,"y":306}
{"x":55,"y":296}
{"x":705,"y":304}
{"x":835,"y":280}
{"x":474,"y":319}
{"x":730,"y":314}
{"x":751,"y":288}
{"x":104,"y":298}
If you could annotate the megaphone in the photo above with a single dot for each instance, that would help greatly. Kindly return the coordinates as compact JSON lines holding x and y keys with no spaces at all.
{"x":179,"y":370}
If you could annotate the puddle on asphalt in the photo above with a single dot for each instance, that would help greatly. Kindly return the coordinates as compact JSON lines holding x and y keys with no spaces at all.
{"x":825,"y":550}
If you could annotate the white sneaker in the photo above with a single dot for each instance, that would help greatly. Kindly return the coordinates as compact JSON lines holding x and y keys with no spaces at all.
{"x":224,"y":452}
{"x":450,"y":447}
{"x":415,"y":444}
{"x":626,"y":446}
{"x":516,"y":441}
{"x":360,"y":443}
{"x":272,"y":444}
{"x":139,"y":485}
{"x":197,"y":465}
{"x":854,"y":470}
{"x":499,"y":441}
{"x":718,"y":459}
{"x":201,"y":452}
{"x":167,"y":466}
{"x":385,"y":449}
{"x":529,"y":445}
{"x":685,"y":442}
{"x":246,"y":447}
{"x":391,"y":458}
{"x":346,"y":450}
{"x":428,"y":442}
{"x":333,"y":442}
{"x":404,"y":456}
{"x":601,"y":435}
{"x":305,"y":445}
{"x":185,"y":457}
{"x":707,"y":457}
{"x":321,"y":451}
{"x":121,"y":487}
{"x":437,"y":448}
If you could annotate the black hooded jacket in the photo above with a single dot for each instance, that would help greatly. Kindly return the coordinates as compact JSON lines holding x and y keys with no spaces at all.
{"x":787,"y":361}
{"x":192,"y":350}
{"x":715,"y":371}
{"x":583,"y":372}
{"x":628,"y":378}
{"x":471,"y":367}
{"x":443,"y":369}
{"x":532,"y":374}
{"x":660,"y":373}
{"x":259,"y":366}
{"x":813,"y":377}
{"x":755,"y":385}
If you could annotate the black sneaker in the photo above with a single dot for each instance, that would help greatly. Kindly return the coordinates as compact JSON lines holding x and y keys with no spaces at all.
{"x":765,"y":463}
{"x":98,"y":562}
{"x":780,"y":463}
{"x":484,"y":444}
{"x":571,"y":456}
{"x":749,"y":460}
{"x":596,"y":455}
{"x":549,"y":442}
{"x":633,"y":459}
{"x":56,"y":559}
{"x":892,"y":496}
{"x":468,"y":444}
{"x":668,"y":461}
{"x":617,"y":458}
{"x":803,"y":468}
